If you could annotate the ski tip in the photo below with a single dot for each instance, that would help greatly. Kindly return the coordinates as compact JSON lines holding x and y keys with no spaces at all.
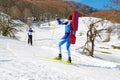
{"x":67,"y":62}
{"x":55,"y":59}
{"x":59,"y":60}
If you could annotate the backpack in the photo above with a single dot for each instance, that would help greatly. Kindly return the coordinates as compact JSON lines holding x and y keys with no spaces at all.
{"x":74,"y":27}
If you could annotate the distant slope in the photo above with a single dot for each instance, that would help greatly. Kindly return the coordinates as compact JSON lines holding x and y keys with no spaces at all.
{"x":114,"y":15}
{"x":21,"y":9}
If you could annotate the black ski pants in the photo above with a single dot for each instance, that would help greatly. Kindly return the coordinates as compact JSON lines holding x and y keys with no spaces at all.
{"x":30,"y":39}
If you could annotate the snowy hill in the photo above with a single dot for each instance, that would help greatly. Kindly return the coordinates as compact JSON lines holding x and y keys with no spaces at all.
{"x":20,"y":61}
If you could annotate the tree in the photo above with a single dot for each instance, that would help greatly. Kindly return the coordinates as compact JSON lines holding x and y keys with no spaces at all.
{"x":15,"y":12}
{"x":117,"y":2}
{"x":114,"y":4}
{"x":7,"y":28}
{"x":26,"y":13}
{"x":91,"y":35}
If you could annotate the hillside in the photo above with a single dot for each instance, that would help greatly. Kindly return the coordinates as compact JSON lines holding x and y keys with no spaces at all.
{"x":114,"y":15}
{"x":41,"y":9}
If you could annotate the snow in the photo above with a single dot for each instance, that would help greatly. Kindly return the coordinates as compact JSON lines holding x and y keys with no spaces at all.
{"x":20,"y":61}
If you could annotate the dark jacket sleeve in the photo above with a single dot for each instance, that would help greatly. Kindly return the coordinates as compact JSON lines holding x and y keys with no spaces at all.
{"x":60,"y":22}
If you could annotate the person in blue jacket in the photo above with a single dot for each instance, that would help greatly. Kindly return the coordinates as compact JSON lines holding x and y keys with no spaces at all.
{"x":30,"y":32}
{"x":65,"y":38}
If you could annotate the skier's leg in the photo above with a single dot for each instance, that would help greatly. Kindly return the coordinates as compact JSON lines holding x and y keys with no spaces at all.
{"x":31,"y":40}
{"x":28,"y":39}
{"x":62,"y":41}
{"x":68,"y":50}
{"x":60,"y":53}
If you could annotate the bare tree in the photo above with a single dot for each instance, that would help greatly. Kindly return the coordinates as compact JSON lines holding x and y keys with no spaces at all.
{"x":7,"y":28}
{"x":26,"y":13}
{"x":117,"y":2}
{"x":91,"y":35}
{"x":15,"y":12}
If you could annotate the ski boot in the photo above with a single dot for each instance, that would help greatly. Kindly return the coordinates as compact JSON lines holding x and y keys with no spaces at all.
{"x":59,"y":57}
{"x":69,"y":60}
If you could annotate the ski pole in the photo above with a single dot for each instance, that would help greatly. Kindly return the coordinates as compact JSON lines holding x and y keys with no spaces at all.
{"x":54,"y":29}
{"x":26,"y":37}
{"x":34,"y":38}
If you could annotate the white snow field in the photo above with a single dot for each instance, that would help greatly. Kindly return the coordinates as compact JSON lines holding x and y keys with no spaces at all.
{"x":20,"y":61}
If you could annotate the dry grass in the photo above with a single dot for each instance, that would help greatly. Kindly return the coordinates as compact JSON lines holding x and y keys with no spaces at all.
{"x":103,"y":52}
{"x":116,"y":47}
{"x":114,"y":15}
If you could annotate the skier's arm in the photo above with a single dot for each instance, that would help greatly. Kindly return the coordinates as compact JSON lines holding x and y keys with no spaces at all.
{"x":60,"y":22}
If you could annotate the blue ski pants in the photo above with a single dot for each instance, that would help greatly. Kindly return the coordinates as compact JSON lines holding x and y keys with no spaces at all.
{"x":65,"y":39}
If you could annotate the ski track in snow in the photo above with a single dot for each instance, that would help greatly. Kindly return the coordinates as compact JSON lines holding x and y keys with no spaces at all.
{"x":29,"y":70}
{"x":20,"y":61}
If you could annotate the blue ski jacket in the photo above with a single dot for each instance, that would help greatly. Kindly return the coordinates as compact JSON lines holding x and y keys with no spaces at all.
{"x":30,"y":32}
{"x":67,"y":25}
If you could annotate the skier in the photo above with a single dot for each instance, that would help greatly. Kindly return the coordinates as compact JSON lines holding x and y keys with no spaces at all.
{"x":30,"y":31}
{"x":65,"y":38}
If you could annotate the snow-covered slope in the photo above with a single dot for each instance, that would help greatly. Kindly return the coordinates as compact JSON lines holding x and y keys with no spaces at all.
{"x":20,"y":61}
